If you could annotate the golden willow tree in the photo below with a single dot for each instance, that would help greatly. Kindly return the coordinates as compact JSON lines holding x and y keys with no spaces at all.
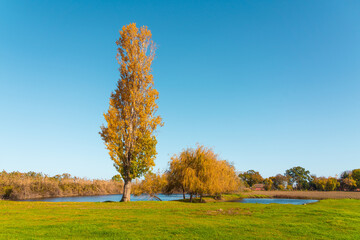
{"x":200,"y":172}
{"x":131,"y":121}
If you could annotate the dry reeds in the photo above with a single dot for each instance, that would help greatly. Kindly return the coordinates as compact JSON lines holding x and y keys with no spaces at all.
{"x":18,"y":186}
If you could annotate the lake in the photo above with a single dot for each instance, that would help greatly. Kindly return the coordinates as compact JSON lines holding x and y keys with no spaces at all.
{"x":103,"y":198}
{"x":117,"y":198}
{"x":277,"y":200}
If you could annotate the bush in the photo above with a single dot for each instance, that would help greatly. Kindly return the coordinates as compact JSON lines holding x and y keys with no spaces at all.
{"x":6,"y":192}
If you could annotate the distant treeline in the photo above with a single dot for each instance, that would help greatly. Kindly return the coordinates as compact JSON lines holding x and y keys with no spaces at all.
{"x":207,"y":178}
{"x":196,"y":172}
{"x":199,"y":172}
{"x":17,"y":186}
{"x":298,"y":178}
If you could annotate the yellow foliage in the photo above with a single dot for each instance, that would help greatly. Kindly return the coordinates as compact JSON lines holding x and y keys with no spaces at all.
{"x":199,"y":171}
{"x":131,"y":121}
{"x":268,"y":183}
{"x":152,"y":184}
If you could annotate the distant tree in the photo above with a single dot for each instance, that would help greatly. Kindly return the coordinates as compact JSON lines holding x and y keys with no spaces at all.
{"x":332,"y":184}
{"x":348,"y":184}
{"x":345,"y":174}
{"x":312,"y":182}
{"x":299,"y":177}
{"x":131,"y":121}
{"x":319,"y":183}
{"x":268,"y":183}
{"x":199,"y":171}
{"x":325,"y":184}
{"x":355,"y":174}
{"x":251,"y":177}
{"x":280,"y":181}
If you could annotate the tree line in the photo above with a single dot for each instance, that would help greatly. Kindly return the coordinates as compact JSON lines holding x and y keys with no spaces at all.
{"x":298,"y":178}
{"x":200,"y":172}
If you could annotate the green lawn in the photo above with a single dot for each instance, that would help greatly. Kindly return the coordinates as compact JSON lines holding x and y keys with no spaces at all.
{"x":328,"y":219}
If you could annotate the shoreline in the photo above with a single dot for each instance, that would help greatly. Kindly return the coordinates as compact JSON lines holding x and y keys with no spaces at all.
{"x":309,"y":195}
{"x":63,"y":196}
{"x":315,"y":195}
{"x":318,"y":195}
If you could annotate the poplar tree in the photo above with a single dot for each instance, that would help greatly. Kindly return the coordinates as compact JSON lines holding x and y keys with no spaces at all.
{"x":131,"y":120}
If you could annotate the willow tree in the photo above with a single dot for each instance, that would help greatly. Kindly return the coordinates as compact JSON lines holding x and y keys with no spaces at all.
{"x":131,"y":120}
{"x":199,"y":171}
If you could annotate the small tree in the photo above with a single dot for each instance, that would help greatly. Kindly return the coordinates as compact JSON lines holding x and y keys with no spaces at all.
{"x":251,"y":177}
{"x":268,"y":183}
{"x":131,"y":121}
{"x":280,"y":181}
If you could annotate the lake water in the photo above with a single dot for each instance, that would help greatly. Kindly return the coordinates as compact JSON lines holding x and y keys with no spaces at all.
{"x":277,"y":200}
{"x":117,"y":198}
{"x":103,"y":198}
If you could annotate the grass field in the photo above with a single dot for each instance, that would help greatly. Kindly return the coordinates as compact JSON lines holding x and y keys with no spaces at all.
{"x":327,"y":219}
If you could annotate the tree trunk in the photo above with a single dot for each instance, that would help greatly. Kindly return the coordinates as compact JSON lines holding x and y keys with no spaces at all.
{"x":200,"y":198}
{"x":191,"y":197}
{"x":183,"y":192}
{"x":126,"y":192}
{"x":156,"y":197}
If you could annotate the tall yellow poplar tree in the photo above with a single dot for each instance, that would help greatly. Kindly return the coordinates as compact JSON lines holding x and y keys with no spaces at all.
{"x":131,"y":121}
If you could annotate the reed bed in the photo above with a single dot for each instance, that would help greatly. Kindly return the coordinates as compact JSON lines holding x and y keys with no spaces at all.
{"x":19,"y":186}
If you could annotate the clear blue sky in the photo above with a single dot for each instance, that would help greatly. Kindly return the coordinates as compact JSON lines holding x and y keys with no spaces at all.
{"x":268,"y":84}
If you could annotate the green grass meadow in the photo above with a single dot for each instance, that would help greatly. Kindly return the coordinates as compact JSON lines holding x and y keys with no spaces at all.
{"x":327,"y":219}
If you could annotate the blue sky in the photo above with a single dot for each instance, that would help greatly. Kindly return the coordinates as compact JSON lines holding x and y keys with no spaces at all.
{"x":268,"y":84}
